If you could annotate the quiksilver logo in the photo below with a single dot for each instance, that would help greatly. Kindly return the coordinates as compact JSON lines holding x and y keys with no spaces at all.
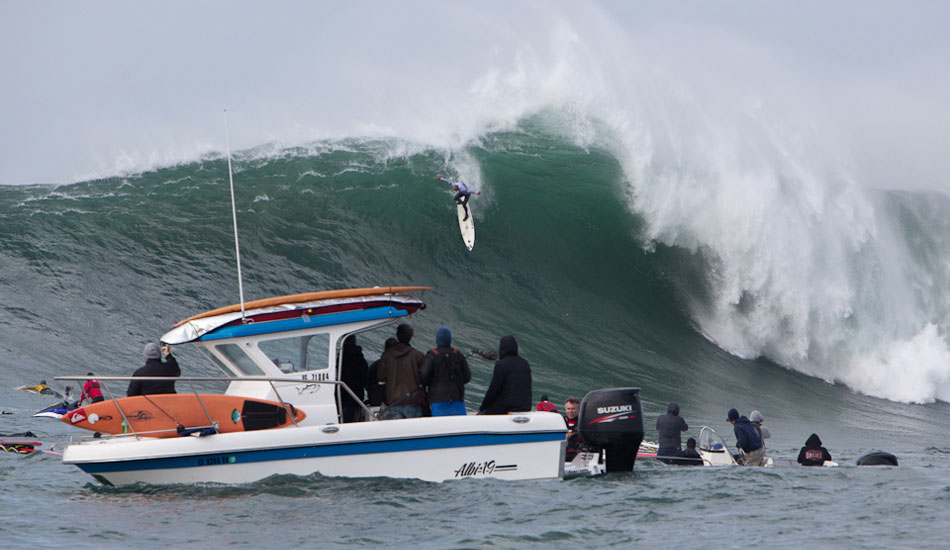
{"x":615,"y":409}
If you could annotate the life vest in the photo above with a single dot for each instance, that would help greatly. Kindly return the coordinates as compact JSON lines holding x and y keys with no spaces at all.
{"x":451,"y":362}
{"x":91,"y":389}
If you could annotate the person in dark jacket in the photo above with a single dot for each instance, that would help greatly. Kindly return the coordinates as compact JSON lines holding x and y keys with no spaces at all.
{"x":575,"y":442}
{"x":669,"y":427}
{"x":399,"y":369}
{"x":376,"y":391}
{"x":444,"y":374}
{"x":747,"y":439}
{"x":690,"y":456}
{"x":813,"y":454}
{"x":353,"y":373}
{"x":155,"y":367}
{"x":510,"y":386}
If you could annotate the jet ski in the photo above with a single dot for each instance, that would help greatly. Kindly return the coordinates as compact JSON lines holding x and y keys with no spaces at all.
{"x":57,"y":410}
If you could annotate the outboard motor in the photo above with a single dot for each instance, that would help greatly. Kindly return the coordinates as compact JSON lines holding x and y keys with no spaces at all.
{"x":613,"y":420}
{"x":878,"y":458}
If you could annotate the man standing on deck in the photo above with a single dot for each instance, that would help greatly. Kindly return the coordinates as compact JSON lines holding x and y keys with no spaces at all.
{"x":669,"y":427}
{"x":445,"y":372}
{"x":399,"y":369}
{"x":510,"y":386}
{"x":747,"y":439}
{"x":462,"y":193}
{"x":155,"y":367}
{"x":353,"y":373}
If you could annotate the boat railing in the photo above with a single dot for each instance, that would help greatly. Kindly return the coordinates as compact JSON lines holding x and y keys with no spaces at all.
{"x":212,"y":424}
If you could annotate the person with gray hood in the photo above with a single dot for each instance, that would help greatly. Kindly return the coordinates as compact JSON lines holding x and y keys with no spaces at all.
{"x":669,"y":427}
{"x":758,"y":421}
{"x":510,"y":387}
{"x":155,"y":367}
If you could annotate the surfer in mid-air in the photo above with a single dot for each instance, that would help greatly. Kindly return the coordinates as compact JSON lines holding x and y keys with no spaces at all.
{"x":462,"y":193}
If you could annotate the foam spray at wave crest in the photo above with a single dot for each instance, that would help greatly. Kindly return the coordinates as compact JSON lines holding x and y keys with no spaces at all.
{"x":795,"y":260}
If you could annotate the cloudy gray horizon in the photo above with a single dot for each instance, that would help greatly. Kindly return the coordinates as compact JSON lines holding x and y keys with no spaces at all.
{"x":98,"y":89}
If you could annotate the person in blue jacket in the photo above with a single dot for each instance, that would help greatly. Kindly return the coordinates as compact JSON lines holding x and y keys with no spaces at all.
{"x":462,"y":193}
{"x":747,"y":439}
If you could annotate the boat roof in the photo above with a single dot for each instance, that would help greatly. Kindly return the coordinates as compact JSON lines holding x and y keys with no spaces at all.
{"x":335,"y":307}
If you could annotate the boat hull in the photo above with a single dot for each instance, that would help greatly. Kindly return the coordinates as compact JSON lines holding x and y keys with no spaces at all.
{"x":528,"y":446}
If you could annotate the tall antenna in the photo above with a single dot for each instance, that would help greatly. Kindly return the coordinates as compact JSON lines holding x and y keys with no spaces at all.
{"x":237,"y":246}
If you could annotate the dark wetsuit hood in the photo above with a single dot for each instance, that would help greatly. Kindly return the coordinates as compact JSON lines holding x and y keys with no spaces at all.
{"x":507,"y":346}
{"x":813,"y":441}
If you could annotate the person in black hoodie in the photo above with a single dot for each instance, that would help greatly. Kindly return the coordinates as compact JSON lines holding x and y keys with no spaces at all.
{"x":444,"y":374}
{"x":155,"y":367}
{"x":510,"y":387}
{"x":669,"y":427}
{"x":375,"y":391}
{"x":353,"y":373}
{"x":813,"y":454}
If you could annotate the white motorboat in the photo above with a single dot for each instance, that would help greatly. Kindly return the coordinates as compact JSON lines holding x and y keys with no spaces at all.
{"x":288,"y":350}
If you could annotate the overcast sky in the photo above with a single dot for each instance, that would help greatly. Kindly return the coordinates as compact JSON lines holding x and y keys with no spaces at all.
{"x":93,"y":89}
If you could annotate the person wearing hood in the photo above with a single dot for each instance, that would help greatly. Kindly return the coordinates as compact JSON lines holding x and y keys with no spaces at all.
{"x":154,"y":366}
{"x":444,"y":374}
{"x":747,"y":439}
{"x":669,"y":427}
{"x":510,"y":386}
{"x":353,"y":373}
{"x":758,"y":422}
{"x":399,"y":370}
{"x":813,"y":454}
{"x":376,"y":391}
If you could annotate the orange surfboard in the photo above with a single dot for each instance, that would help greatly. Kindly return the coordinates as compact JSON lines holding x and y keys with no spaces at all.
{"x":162,"y":414}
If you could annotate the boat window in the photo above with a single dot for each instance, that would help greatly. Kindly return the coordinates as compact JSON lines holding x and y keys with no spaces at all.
{"x":299,"y":353}
{"x":217,"y":362}
{"x":237,"y":357}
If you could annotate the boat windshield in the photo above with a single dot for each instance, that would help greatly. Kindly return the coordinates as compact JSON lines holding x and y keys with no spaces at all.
{"x":237,"y":357}
{"x":710,"y":441}
{"x":298,"y":353}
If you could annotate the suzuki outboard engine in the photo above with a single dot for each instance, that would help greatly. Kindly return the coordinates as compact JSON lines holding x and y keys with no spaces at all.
{"x":613,"y":420}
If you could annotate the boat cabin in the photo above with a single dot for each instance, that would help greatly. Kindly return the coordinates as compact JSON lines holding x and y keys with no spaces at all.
{"x":299,"y":336}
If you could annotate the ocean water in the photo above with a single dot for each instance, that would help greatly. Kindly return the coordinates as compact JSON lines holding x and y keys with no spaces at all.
{"x":820,"y":304}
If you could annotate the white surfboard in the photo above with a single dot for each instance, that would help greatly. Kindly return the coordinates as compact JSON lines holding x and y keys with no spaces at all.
{"x":467,"y":227}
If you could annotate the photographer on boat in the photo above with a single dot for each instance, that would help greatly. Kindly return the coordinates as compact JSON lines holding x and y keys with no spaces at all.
{"x":154,"y":366}
{"x":669,"y":427}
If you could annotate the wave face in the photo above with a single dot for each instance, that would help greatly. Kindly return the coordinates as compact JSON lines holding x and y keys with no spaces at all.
{"x":609,"y":260}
